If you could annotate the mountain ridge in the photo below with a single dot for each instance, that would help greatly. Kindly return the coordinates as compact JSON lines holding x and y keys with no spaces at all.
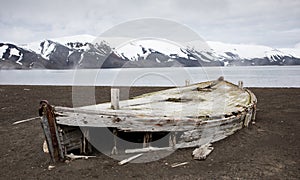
{"x":81,"y":51}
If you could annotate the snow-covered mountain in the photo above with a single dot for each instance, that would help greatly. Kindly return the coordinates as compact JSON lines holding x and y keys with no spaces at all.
{"x":16,"y":57}
{"x":82,"y":52}
{"x":245,"y":54}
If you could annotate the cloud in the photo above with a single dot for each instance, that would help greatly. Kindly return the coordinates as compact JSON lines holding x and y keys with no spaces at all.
{"x":269,"y":22}
{"x":297,"y":46}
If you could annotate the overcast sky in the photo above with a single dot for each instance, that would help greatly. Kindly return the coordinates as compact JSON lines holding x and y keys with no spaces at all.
{"x":268,"y":22}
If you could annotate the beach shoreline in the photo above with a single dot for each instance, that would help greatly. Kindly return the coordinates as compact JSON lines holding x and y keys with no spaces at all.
{"x":267,"y":149}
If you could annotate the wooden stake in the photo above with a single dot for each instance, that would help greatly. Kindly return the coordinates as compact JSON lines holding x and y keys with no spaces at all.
{"x":240,"y":84}
{"x":115,"y":98}
{"x":114,"y":151}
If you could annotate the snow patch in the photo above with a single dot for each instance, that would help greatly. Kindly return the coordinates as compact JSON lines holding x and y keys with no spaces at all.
{"x":205,"y":55}
{"x":291,"y":51}
{"x":47,"y":49}
{"x":3,"y":50}
{"x":34,"y":46}
{"x":143,"y":48}
{"x":226,"y":63}
{"x":275,"y":54}
{"x":14,"y":52}
{"x":244,"y":51}
{"x":20,"y":59}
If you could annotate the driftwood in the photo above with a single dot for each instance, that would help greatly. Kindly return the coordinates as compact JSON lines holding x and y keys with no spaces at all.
{"x":73,"y":157}
{"x":25,"y":120}
{"x":179,"y":164}
{"x":129,"y":159}
{"x":148,"y":149}
{"x":202,"y":152}
{"x":50,"y":167}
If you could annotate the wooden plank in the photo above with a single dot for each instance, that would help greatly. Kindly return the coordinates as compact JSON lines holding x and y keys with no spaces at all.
{"x":138,"y":106}
{"x":71,"y":138}
{"x":143,"y":123}
{"x":51,"y":133}
{"x":73,"y":157}
{"x":129,"y":159}
{"x":25,"y":120}
{"x":148,"y":149}
{"x":179,"y":164}
{"x":45,"y":126}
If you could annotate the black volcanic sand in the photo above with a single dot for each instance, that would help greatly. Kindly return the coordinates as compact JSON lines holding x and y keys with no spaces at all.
{"x":269,"y":149}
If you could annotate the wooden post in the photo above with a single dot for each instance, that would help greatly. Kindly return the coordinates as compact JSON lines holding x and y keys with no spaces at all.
{"x":86,"y":148}
{"x":147,"y":139}
{"x":172,"y":139}
{"x":187,"y":82}
{"x":115,"y":97}
{"x":240,"y":84}
{"x":248,"y":118}
{"x":254,"y":113}
{"x":114,"y":151}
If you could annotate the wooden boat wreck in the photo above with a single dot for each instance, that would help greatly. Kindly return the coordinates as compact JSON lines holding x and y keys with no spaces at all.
{"x":188,"y":116}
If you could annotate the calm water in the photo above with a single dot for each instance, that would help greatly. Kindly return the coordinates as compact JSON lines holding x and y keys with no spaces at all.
{"x":259,"y":76}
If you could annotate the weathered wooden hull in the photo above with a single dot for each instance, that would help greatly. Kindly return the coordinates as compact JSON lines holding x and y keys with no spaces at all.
{"x":202,"y":113}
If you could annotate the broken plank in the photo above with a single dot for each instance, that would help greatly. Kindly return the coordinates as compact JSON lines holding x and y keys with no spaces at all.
{"x":202,"y":152}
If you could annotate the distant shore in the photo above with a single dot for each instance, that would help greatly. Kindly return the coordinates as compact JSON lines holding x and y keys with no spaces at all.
{"x":252,"y":76}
